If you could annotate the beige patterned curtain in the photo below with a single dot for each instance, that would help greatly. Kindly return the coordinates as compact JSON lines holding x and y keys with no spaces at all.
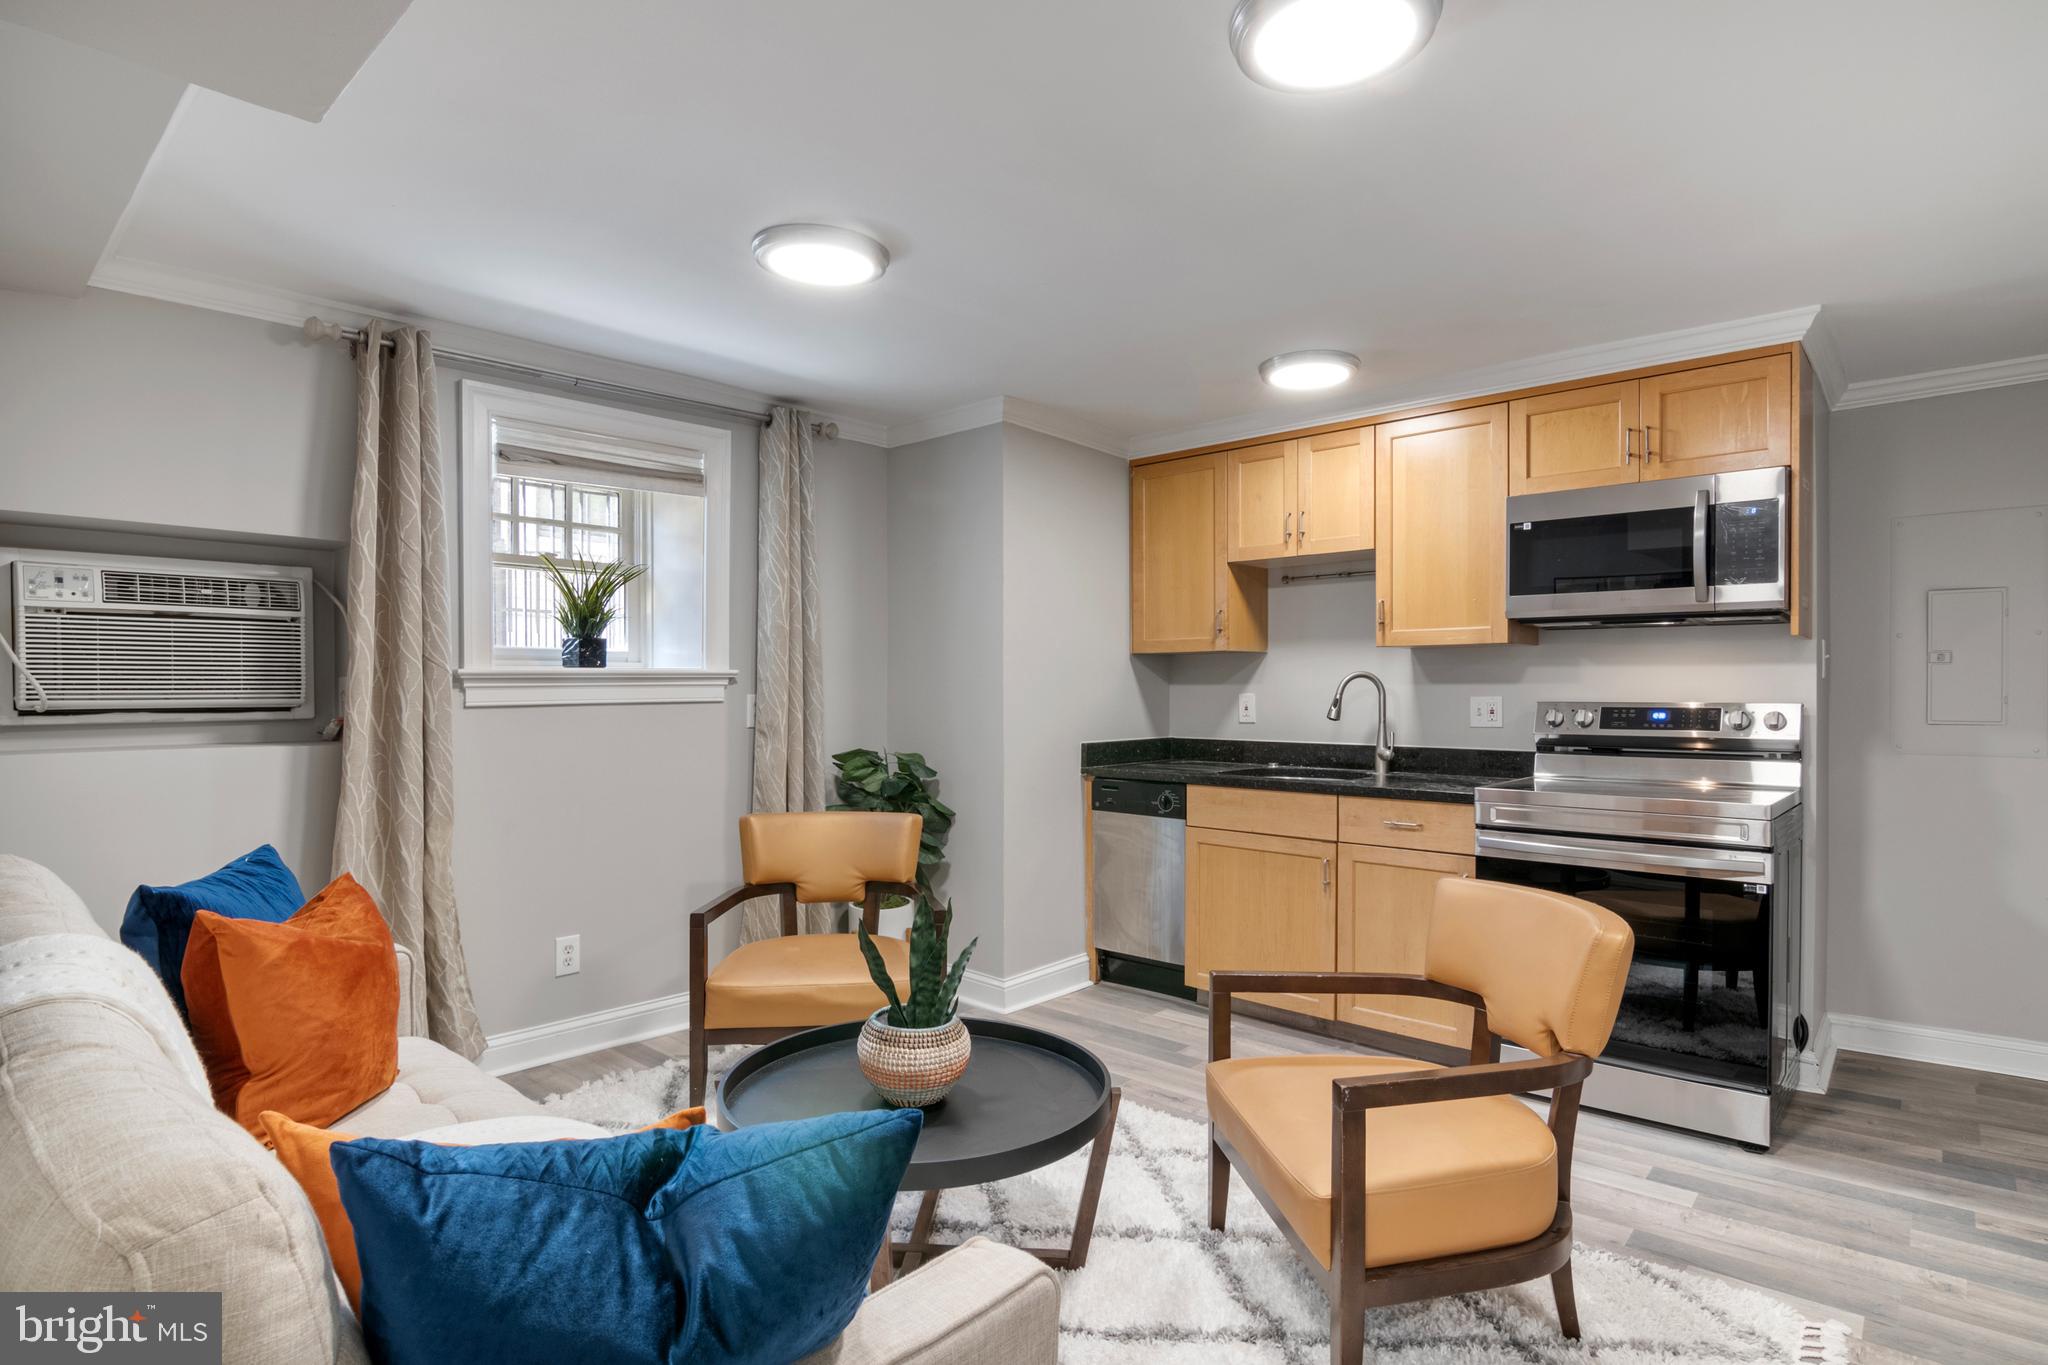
{"x":397,"y":813}
{"x":789,"y":708}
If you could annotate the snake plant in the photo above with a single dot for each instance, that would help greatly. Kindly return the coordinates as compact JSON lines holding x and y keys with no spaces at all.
{"x":586,"y":590}
{"x":934,"y":990}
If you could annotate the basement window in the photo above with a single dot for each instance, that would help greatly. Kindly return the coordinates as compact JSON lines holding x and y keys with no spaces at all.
{"x":588,"y":485}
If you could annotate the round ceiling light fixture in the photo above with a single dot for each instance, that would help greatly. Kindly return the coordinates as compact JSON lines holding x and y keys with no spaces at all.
{"x":813,"y":253}
{"x":1325,"y":44}
{"x":1305,"y":370}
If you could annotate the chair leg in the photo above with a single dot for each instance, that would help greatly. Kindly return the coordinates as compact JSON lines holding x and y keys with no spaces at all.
{"x":1347,"y":1331}
{"x":1567,"y":1305}
{"x":1219,"y":1183}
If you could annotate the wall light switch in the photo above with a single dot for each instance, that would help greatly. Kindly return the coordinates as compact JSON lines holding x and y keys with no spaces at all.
{"x":568,"y":955}
{"x":1486,"y":713}
{"x":1247,"y":708}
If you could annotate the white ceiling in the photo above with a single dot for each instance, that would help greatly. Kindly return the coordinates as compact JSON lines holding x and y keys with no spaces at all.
{"x":1090,"y":208}
{"x":290,"y":55}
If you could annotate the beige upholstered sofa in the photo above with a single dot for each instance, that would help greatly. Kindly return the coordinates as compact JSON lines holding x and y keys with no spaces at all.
{"x":117,"y":1173}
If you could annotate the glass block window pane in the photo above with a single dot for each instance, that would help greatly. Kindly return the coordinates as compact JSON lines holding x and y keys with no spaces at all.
{"x":538,"y":538}
{"x":595,"y":508}
{"x":597,"y":547}
{"x":537,"y":499}
{"x":501,"y":535}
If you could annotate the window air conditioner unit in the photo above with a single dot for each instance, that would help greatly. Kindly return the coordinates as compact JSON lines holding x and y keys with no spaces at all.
{"x":109,"y":639}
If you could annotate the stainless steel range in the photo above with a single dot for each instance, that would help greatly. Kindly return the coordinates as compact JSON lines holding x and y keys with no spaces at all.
{"x":1684,"y":819}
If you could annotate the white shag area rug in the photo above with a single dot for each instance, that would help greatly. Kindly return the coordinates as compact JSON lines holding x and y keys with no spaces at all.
{"x":1161,"y":1289}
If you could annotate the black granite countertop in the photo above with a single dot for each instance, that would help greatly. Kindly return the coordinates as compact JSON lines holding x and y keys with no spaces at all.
{"x":1417,"y":774}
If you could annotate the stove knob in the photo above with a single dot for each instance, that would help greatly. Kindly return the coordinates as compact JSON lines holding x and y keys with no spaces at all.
{"x":1774,"y":720}
{"x":1553,"y":717}
{"x":1584,"y":718}
{"x":1740,"y":720}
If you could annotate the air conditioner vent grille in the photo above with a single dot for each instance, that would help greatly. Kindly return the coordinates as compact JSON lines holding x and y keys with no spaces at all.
{"x":129,"y":586}
{"x":94,"y":661}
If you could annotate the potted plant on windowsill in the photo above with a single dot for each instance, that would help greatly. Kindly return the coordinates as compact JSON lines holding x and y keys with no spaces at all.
{"x":914,"y":1051}
{"x":585,"y":607}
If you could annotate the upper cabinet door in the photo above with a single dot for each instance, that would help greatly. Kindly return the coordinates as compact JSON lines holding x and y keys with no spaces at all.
{"x":1335,"y":473}
{"x":1440,"y":571}
{"x":1262,"y":505}
{"x":1176,"y":555}
{"x":1581,"y":438}
{"x":1718,"y":419}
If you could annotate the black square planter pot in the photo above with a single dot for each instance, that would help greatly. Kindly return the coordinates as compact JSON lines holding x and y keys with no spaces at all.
{"x":584,"y":653}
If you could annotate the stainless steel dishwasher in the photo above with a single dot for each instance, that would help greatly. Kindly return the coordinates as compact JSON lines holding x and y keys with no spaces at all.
{"x":1140,"y":882}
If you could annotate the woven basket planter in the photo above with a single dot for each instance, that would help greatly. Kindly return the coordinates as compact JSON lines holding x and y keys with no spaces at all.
{"x":913,"y":1067}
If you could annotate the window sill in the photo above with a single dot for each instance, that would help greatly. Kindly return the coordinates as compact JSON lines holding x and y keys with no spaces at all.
{"x":622,"y":686}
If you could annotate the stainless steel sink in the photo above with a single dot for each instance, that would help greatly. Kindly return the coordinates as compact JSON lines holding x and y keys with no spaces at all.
{"x":1289,"y":773}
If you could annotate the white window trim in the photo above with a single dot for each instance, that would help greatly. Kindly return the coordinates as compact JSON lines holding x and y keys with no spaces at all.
{"x":484,"y":681}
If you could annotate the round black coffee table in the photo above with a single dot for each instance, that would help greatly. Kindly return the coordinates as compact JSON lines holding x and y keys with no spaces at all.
{"x":1029,"y":1098}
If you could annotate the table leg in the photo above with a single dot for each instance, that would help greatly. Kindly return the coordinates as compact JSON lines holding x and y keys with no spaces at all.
{"x":921,"y":1232}
{"x":1091,"y":1188}
{"x":885,"y":1264}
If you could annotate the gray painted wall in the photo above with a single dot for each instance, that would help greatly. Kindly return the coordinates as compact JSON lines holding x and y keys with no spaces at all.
{"x":1940,"y":869}
{"x":125,"y":411}
{"x":946,"y":683}
{"x":1068,"y":676}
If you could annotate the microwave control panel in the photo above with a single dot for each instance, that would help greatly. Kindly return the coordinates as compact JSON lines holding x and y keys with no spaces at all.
{"x":1746,"y":542}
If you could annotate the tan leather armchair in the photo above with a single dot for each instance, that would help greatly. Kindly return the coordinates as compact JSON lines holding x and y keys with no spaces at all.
{"x":1398,"y":1180}
{"x":774,"y":987}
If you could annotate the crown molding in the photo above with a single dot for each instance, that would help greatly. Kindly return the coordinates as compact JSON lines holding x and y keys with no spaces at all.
{"x":1555,"y":368}
{"x":198,"y":289}
{"x":1998,"y":374}
{"x":984,"y":412}
{"x":1819,"y":344}
{"x":1021,"y":412}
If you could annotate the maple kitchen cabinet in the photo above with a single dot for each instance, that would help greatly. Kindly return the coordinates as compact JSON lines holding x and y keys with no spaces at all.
{"x":1383,"y":903}
{"x":1712,"y":420}
{"x":1308,"y":496}
{"x":1440,"y":573}
{"x":1186,"y":597}
{"x":1261,"y":902}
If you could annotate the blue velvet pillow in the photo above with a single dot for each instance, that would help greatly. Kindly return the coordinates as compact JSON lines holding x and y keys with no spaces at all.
{"x":159,"y":920}
{"x":662,"y":1247}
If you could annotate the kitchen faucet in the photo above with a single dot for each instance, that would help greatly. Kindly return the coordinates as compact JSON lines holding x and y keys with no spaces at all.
{"x":1383,"y":751}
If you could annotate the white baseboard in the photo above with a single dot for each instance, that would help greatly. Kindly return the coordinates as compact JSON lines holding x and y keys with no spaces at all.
{"x":1941,"y":1046}
{"x":540,"y":1044}
{"x":1817,"y":1063}
{"x":1007,"y":994}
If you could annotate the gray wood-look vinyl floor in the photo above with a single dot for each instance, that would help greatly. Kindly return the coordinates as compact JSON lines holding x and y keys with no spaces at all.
{"x":1911,"y":1201}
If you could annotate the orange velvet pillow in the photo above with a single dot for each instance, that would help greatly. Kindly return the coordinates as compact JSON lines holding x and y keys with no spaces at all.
{"x":303,"y":1150}
{"x":300,"y":1017}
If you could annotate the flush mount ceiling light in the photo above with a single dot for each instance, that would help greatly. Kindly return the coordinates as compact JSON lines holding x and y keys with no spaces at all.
{"x":1324,"y":44}
{"x":1300,"y":370}
{"x":812,"y":253}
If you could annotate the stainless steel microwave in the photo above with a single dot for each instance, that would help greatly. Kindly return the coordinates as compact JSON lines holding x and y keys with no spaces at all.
{"x":1703,"y":549}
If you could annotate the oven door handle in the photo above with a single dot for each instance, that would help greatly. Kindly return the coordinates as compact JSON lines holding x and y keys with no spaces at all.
{"x":1730,"y":867}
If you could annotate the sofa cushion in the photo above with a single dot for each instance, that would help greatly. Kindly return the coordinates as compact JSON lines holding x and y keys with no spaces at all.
{"x":300,"y":1017}
{"x":434,"y":1087}
{"x":660,"y":1247}
{"x":159,"y":919}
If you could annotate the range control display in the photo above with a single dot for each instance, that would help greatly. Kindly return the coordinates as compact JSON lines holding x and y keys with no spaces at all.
{"x":1660,"y":717}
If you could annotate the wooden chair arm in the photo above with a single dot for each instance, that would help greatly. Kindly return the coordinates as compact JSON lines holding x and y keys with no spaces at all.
{"x":1223,"y":985}
{"x":1387,"y":1089}
{"x":731,"y":900}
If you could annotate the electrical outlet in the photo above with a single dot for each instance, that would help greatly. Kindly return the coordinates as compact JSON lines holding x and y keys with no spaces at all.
{"x":568,"y":955}
{"x":1247,"y":708}
{"x":1486,"y":713}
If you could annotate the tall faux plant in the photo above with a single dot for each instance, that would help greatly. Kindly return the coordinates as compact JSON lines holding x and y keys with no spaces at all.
{"x":866,"y":782}
{"x":584,"y":593}
{"x":934,"y":990}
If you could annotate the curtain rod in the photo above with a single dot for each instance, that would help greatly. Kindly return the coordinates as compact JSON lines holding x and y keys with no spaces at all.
{"x":316,"y":329}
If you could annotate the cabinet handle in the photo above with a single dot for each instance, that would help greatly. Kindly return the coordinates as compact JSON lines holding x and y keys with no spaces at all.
{"x":1326,"y":874}
{"x":1287,"y":528}
{"x":1219,"y":620}
{"x":1628,"y":445}
{"x":1302,"y":524}
{"x":1402,"y":824}
{"x":1648,"y":453}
